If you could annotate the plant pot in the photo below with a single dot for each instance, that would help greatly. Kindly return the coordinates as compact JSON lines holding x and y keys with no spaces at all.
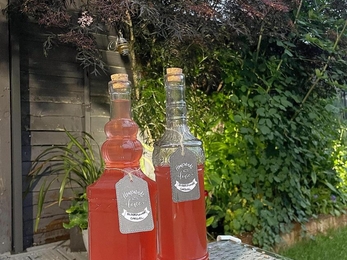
{"x":76,"y":240}
{"x":85,"y":238}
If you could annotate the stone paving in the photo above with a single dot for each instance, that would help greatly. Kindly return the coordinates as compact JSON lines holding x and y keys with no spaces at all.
{"x":222,"y":250}
{"x":56,"y":251}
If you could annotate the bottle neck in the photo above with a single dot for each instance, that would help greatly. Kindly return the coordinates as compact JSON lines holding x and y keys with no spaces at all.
{"x":121,"y":148}
{"x":176,"y":109}
{"x":120,"y":103}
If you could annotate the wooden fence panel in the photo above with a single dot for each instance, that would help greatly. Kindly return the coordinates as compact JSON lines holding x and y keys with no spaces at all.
{"x":5,"y":138}
{"x":100,"y":106}
{"x":57,"y":94}
{"x":52,"y":90}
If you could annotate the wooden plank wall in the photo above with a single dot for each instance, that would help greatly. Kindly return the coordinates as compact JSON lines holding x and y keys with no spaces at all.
{"x":5,"y":137}
{"x":56,"y":94}
{"x":52,"y":94}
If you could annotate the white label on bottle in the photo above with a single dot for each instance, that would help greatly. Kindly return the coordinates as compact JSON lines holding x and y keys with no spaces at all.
{"x":136,"y":217}
{"x":186,"y":187}
{"x":184,"y":176}
{"x":134,"y":206}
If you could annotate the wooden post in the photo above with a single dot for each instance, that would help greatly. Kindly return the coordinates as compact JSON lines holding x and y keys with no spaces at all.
{"x":16,"y":141}
{"x":5,"y":137}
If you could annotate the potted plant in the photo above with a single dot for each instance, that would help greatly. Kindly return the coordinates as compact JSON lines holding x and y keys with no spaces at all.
{"x":78,"y":217}
{"x":76,"y":165}
{"x":78,"y":213}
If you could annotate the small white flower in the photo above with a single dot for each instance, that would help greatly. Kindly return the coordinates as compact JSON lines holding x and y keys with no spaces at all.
{"x":85,"y":19}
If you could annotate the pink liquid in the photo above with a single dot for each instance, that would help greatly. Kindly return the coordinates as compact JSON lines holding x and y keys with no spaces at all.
{"x":181,"y":226}
{"x":105,"y":240}
{"x":121,"y":149}
{"x":121,"y":152}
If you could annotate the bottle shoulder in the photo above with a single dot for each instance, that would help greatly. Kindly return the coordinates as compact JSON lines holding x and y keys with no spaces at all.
{"x":170,"y":142}
{"x":177,"y":135}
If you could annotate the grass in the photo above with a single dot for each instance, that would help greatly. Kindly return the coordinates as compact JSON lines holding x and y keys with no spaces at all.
{"x":331,"y":246}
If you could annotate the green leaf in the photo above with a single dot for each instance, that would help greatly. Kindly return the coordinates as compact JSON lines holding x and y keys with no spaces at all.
{"x":209,"y":221}
{"x":285,"y":102}
{"x":236,"y":224}
{"x":214,"y":179}
{"x":314,"y":177}
{"x":286,"y":51}
{"x":312,"y":115}
{"x":280,"y":43}
{"x":244,"y":130}
{"x":253,"y":160}
{"x":331,"y":187}
{"x":236,"y":179}
{"x":269,"y":122}
{"x":272,"y":111}
{"x":261,"y":111}
{"x":237,"y":118}
{"x":264,"y":129}
{"x":318,"y":73}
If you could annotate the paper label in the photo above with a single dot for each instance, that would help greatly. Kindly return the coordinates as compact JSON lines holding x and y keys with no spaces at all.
{"x":184,"y":176}
{"x":134,"y":206}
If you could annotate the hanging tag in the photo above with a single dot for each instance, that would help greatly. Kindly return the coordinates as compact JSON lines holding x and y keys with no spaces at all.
{"x":134,"y":206}
{"x":184,"y":176}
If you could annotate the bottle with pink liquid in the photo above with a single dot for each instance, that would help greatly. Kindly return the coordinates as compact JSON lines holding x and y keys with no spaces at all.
{"x":122,"y":209}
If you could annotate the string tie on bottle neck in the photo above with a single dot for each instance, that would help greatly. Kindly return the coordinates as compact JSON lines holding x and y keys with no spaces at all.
{"x":181,"y":139}
{"x":128,"y":172}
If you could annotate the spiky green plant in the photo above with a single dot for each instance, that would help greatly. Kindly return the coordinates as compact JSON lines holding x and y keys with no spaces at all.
{"x":77,"y":164}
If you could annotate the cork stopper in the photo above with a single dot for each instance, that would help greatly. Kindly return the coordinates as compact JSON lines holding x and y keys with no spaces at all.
{"x":119,"y":78}
{"x":173,"y":74}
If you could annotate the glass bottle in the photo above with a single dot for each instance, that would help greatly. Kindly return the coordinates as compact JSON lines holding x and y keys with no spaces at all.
{"x":121,"y":152}
{"x":178,"y":159}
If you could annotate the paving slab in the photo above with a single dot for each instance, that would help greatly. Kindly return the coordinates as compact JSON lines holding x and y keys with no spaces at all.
{"x":52,"y":251}
{"x":230,"y":250}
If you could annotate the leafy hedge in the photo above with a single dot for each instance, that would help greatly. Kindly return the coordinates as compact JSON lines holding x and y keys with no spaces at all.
{"x":273,"y":130}
{"x":270,"y":161}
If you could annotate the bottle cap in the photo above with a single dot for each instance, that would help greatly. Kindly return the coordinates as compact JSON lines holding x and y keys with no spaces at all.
{"x":119,"y":78}
{"x":173,"y":74}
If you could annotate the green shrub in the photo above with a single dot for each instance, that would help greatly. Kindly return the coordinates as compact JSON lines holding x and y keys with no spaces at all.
{"x":265,"y":167}
{"x":272,"y":130}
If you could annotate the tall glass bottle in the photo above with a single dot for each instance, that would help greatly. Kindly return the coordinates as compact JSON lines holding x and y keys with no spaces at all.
{"x":178,"y":159}
{"x":121,"y":202}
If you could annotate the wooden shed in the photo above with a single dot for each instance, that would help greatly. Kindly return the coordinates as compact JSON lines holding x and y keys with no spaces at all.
{"x":39,"y":97}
